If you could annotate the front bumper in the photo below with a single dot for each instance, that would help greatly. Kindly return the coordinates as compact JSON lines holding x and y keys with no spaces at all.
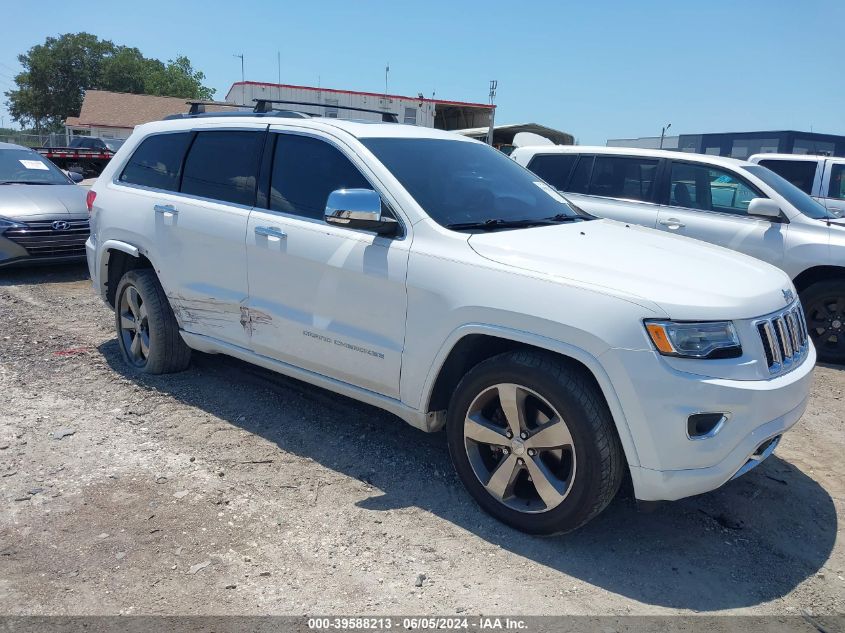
{"x":657,"y":400}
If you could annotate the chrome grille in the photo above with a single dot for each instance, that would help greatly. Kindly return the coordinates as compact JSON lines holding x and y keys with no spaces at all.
{"x":785,"y":338}
{"x":40,"y":239}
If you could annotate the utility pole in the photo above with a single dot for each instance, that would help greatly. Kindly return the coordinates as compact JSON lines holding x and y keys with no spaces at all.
{"x":241,"y":55}
{"x":493,"y":85}
{"x":663,"y":133}
{"x":386,"y":73}
{"x":279,"y":64}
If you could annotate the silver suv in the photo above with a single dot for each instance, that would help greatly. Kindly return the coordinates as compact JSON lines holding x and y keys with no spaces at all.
{"x":731,"y":203}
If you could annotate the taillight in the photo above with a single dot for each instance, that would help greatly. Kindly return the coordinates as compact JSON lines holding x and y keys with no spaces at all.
{"x":89,"y":201}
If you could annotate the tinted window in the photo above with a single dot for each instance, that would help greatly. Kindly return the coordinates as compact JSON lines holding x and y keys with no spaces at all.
{"x":800,"y":173}
{"x":581,"y":176}
{"x":157,"y":161}
{"x":710,"y":189}
{"x":223,"y":166}
{"x":629,"y":178}
{"x":458,"y":182}
{"x":837,"y":182}
{"x":305,"y":171}
{"x":797,"y":198}
{"x":554,"y":168}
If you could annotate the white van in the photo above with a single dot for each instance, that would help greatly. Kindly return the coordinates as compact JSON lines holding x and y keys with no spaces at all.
{"x":822,"y":177}
{"x":732,"y":203}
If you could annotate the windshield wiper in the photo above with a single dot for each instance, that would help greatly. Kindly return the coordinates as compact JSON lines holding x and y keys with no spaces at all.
{"x":24,"y":182}
{"x":563,"y":217}
{"x":493,"y":224}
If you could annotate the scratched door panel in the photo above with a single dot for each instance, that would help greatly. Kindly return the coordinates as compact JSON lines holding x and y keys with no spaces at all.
{"x":328,"y":299}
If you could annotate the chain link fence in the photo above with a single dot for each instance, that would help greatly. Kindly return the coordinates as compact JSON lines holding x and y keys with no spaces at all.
{"x":55,"y":139}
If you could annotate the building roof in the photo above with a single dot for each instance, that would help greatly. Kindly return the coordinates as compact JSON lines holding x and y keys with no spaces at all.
{"x":101,"y":108}
{"x":487,"y":106}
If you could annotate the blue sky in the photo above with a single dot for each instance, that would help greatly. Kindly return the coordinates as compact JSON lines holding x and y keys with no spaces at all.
{"x":596,"y":69}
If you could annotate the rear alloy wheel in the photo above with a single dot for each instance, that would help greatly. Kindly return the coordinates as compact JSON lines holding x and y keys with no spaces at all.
{"x":824,"y":311}
{"x":533,"y":441}
{"x":147,"y":331}
{"x":134,"y":326}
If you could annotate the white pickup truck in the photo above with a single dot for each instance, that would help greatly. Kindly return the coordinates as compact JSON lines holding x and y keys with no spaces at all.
{"x":822,"y":177}
{"x":430,"y":275}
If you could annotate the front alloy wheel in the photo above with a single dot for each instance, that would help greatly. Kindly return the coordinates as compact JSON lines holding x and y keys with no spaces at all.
{"x":520,"y":448}
{"x":533,"y":441}
{"x":824,"y":311}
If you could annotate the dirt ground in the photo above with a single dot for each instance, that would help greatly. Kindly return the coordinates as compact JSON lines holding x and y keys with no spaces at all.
{"x":230,"y":490}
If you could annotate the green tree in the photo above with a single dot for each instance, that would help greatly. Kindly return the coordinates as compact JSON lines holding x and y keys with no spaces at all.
{"x":56,"y":74}
{"x":176,"y":79}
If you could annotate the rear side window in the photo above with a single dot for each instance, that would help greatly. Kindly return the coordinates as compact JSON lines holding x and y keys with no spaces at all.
{"x":305,"y":171}
{"x":628,"y":178}
{"x":800,"y":173}
{"x":223,"y":166}
{"x":581,"y":175}
{"x":837,"y":182}
{"x":157,"y":161}
{"x":554,"y":168}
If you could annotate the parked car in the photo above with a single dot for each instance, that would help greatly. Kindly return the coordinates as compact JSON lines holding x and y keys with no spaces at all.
{"x":822,"y":177}
{"x":430,"y":275}
{"x":85,"y":155}
{"x":93,"y":142}
{"x":735,"y":204}
{"x":43,"y":217}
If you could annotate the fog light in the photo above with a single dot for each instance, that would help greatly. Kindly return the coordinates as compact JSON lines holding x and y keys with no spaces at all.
{"x":703,"y":425}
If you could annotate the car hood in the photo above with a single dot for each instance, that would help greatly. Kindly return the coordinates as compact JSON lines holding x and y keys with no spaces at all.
{"x":684,"y":278}
{"x":18,"y":202}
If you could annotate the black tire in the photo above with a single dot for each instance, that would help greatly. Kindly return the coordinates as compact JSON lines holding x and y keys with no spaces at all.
{"x":595,"y":456}
{"x":166,"y":352}
{"x":824,"y":311}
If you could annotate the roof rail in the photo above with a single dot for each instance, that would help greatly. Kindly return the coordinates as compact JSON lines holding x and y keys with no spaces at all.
{"x":265,"y":105}
{"x":198,"y":107}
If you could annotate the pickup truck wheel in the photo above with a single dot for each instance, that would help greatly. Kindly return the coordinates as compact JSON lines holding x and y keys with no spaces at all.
{"x":147,"y":331}
{"x":824,"y":310}
{"x":534,"y":443}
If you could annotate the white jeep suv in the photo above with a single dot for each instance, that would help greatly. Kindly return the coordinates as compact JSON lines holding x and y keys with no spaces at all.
{"x":724,"y":201}
{"x":430,"y":275}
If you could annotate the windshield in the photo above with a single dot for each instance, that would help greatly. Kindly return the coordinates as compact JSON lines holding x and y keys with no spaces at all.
{"x":797,"y":198}
{"x":22,"y":166}
{"x":464,"y":183}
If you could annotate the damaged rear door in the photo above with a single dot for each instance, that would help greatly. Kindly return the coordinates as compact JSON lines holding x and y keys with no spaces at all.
{"x":201,"y":231}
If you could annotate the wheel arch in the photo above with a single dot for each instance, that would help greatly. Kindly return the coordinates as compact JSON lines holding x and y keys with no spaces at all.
{"x":117,"y":259}
{"x":471,"y":345}
{"x":808,"y":277}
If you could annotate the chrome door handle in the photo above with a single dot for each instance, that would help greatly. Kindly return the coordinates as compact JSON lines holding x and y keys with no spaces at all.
{"x":672,"y":223}
{"x":271,"y":231}
{"x":165,"y":208}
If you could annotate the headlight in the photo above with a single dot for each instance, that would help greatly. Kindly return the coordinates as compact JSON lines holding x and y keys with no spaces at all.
{"x":5,"y":223}
{"x":713,"y":339}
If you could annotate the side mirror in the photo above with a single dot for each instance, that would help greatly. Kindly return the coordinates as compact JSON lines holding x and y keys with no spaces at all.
{"x":764,"y":208}
{"x":358,"y":209}
{"x":75,"y":176}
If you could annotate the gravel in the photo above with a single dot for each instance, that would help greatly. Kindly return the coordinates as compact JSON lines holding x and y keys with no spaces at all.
{"x":329,"y":506}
